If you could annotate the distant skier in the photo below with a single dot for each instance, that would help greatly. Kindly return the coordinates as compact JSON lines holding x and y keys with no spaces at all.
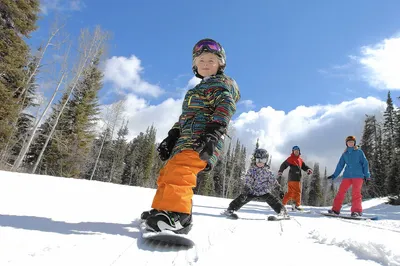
{"x":296,"y":164}
{"x":356,"y":171}
{"x":259,"y":184}
{"x":195,"y":141}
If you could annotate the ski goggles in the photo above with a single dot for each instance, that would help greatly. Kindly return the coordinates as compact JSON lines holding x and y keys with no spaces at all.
{"x":261,"y":160}
{"x":209,"y":45}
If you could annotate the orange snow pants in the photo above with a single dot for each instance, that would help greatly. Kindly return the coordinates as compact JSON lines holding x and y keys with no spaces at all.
{"x":176,"y":182}
{"x":294,"y":192}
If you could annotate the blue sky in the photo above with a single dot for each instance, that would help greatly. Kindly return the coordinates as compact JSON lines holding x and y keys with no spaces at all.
{"x":283,"y":54}
{"x":275,"y":50}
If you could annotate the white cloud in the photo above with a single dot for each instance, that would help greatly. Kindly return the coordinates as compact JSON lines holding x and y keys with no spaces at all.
{"x":142,"y":115}
{"x":58,"y":5}
{"x":382,"y":64}
{"x":377,"y":64}
{"x":125,"y":74}
{"x":247,"y":103}
{"x":318,"y":130}
{"x":193,"y":82}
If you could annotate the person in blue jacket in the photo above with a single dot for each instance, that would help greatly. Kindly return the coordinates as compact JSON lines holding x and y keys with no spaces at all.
{"x":356,"y":171}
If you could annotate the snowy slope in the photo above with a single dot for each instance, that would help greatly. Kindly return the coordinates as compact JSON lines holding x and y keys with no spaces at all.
{"x":48,"y":220}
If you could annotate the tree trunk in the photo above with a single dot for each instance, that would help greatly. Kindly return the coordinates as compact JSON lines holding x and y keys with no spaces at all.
{"x":27,"y":145}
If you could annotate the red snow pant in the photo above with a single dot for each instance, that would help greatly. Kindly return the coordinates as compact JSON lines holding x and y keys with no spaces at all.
{"x":294,"y":192}
{"x":356,"y":197}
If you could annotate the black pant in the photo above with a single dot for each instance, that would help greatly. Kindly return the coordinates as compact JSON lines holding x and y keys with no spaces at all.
{"x":244,"y":198}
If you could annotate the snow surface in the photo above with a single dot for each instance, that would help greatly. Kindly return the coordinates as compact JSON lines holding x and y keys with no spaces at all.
{"x":47,"y":220}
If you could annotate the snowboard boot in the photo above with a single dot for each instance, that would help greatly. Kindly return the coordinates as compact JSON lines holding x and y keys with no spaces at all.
{"x":147,"y":214}
{"x":230,"y":214}
{"x":179,"y":223}
{"x":296,"y":208}
{"x":283,"y":213}
{"x":356,"y":214}
{"x":333,"y":212}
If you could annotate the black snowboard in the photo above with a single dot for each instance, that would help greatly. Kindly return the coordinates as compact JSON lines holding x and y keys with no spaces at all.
{"x":169,"y":237}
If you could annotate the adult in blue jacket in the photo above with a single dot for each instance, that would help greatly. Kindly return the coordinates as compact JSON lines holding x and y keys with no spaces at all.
{"x":355,"y":173}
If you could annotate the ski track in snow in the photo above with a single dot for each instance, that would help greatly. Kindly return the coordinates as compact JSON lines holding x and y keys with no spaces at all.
{"x":59,"y":221}
{"x":377,"y":252}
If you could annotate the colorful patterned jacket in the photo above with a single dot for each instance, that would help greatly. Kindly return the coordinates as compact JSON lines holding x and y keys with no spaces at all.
{"x":212,"y":100}
{"x":260,"y":181}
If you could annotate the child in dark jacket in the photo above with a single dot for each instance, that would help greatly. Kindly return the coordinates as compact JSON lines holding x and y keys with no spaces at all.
{"x":259,"y":183}
{"x":295,"y":164}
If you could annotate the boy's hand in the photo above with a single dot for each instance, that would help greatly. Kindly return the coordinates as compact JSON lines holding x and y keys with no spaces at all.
{"x":166,"y":146}
{"x":205,"y":144}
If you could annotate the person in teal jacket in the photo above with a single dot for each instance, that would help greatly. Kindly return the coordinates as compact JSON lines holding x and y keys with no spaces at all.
{"x":356,"y":171}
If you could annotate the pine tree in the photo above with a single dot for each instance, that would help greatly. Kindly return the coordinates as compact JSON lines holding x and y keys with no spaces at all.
{"x":205,"y":184}
{"x":325,"y":187}
{"x":371,"y":145}
{"x":148,"y":150}
{"x":237,"y":167}
{"x":228,"y":170}
{"x":392,"y":168}
{"x":131,"y":169}
{"x":17,"y":20}
{"x":305,"y":187}
{"x":157,"y":165}
{"x":219,"y":176}
{"x":315,"y":191}
{"x":242,"y":164}
{"x":253,"y":159}
{"x":119,"y":150}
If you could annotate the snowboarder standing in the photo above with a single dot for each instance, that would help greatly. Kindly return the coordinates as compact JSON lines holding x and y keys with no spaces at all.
{"x":356,"y":171}
{"x":296,"y":164}
{"x":195,"y":142}
{"x":259,"y":182}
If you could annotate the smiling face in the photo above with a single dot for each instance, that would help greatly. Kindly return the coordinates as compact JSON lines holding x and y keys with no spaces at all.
{"x":350,"y":143}
{"x":207,"y":64}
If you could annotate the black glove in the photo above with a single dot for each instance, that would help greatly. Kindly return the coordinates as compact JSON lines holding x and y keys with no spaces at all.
{"x":205,"y":144}
{"x":166,"y":146}
{"x":366,"y":181}
{"x":330,"y":177}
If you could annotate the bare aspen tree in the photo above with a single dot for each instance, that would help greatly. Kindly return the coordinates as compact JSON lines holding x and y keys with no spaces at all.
{"x":89,"y":47}
{"x":49,"y":42}
{"x":113,"y":116}
{"x":28,"y":143}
